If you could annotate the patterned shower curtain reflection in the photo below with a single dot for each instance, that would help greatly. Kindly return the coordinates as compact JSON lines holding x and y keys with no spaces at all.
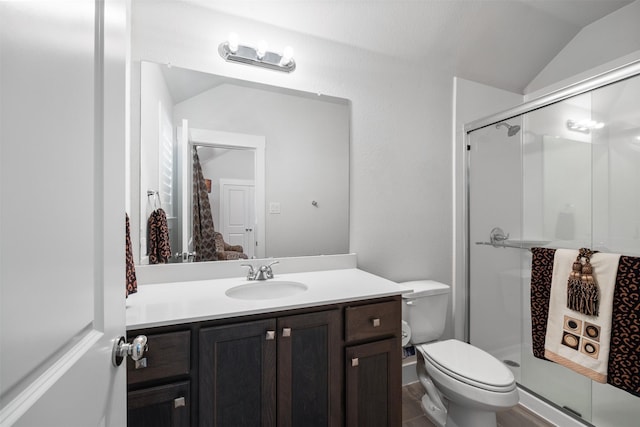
{"x":203,"y":228}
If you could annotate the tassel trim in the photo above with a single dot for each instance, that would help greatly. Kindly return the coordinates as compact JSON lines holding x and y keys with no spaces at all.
{"x":583,"y":294}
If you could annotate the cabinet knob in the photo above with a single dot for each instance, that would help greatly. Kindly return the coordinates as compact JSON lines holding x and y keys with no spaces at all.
{"x":179,"y":402}
{"x":375,"y":322}
{"x":355,"y":362}
{"x":286,"y":332}
{"x":271,"y":335}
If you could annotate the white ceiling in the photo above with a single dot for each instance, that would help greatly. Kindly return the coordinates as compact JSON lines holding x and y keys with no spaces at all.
{"x":502,"y":43}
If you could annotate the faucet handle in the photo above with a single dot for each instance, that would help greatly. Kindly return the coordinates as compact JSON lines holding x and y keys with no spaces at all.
{"x":251,"y":274}
{"x":269,"y":271}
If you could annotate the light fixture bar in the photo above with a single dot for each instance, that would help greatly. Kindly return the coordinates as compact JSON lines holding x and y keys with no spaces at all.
{"x":584,"y":126}
{"x":249,"y":55}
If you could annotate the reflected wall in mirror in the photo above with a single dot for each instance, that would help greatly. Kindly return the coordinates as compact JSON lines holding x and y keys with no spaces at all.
{"x":303,"y":205}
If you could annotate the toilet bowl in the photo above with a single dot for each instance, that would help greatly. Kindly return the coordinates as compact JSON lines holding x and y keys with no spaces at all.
{"x":464,"y":385}
{"x":475,"y":384}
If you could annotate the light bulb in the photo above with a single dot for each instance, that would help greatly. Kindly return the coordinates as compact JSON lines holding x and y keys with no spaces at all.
{"x":287,"y":56}
{"x":233,"y":42}
{"x":262,"y":49}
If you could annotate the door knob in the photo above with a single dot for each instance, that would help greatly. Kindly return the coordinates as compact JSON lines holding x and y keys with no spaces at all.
{"x":122,"y":349}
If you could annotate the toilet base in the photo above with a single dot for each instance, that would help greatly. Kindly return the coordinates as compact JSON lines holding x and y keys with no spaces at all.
{"x":456,"y":415}
{"x":436,"y":415}
{"x":464,"y":416}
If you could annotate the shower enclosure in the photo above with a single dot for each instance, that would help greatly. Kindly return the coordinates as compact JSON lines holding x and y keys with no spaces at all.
{"x":562,"y":171}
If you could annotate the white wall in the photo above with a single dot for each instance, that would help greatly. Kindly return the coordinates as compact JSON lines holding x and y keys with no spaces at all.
{"x":611,"y":38}
{"x":400,"y":192}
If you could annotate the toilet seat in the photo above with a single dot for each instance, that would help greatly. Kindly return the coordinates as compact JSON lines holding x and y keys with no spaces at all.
{"x":469,"y":364}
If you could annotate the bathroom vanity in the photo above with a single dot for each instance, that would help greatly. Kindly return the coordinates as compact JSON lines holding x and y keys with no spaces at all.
{"x":325,"y":356}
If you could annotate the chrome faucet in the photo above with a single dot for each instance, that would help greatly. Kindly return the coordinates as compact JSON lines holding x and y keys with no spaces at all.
{"x":264,"y":272}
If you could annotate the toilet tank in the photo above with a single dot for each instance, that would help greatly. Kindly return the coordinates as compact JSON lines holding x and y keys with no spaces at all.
{"x":425,"y":309}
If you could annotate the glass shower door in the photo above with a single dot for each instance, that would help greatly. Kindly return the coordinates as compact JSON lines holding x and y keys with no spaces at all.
{"x":495,"y":200}
{"x":556,"y":209}
{"x":616,"y":212}
{"x":569,"y":178}
{"x":519,"y":185}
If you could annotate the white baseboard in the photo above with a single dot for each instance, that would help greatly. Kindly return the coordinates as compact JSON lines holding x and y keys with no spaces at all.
{"x":409,"y":374}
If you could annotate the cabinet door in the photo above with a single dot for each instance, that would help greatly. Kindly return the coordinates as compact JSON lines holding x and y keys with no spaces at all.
{"x":374,"y":384}
{"x":164,"y":406}
{"x":310,"y":370}
{"x":237,"y":381}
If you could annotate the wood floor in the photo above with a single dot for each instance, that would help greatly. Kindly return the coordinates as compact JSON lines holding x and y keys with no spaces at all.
{"x":412,"y":415}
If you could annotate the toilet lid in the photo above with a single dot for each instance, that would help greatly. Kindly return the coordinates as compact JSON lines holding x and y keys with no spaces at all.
{"x":469,"y":364}
{"x":423,"y":288}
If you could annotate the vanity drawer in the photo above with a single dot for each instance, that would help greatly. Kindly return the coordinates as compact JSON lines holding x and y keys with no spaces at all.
{"x":372,"y":320}
{"x":168,"y":356}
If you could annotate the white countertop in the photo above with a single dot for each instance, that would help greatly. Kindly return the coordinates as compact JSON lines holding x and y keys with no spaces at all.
{"x":191,"y":301}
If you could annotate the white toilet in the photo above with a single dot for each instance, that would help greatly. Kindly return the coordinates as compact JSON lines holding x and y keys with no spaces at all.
{"x":465,"y":386}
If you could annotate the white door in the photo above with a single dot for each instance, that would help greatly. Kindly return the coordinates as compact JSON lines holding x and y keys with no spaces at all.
{"x":237,"y":212}
{"x":62,"y":269}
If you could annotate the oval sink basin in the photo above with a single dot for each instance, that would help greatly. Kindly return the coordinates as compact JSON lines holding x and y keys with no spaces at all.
{"x":269,"y":289}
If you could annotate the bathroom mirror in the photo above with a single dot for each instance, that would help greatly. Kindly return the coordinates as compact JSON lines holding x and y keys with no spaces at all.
{"x":285,"y":196}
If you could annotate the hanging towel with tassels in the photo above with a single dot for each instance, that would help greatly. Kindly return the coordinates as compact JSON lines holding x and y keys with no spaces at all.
{"x":623,"y":368}
{"x":574,"y":339}
{"x":132,"y":282}
{"x":158,"y":246}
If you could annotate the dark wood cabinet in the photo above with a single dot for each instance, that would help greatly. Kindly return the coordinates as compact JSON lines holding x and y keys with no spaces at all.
{"x":159,"y":384}
{"x":168,"y":355}
{"x":309,"y":370}
{"x":243,"y":383}
{"x":237,"y":379}
{"x":373,"y":384}
{"x":373,"y":365}
{"x":163,"y":406}
{"x":265,"y":370}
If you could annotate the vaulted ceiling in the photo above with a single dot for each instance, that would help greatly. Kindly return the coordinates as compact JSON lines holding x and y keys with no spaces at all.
{"x":502,"y":43}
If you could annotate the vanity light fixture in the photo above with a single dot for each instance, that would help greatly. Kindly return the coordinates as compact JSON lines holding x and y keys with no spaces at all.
{"x":584,"y":126}
{"x":233,"y":51}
